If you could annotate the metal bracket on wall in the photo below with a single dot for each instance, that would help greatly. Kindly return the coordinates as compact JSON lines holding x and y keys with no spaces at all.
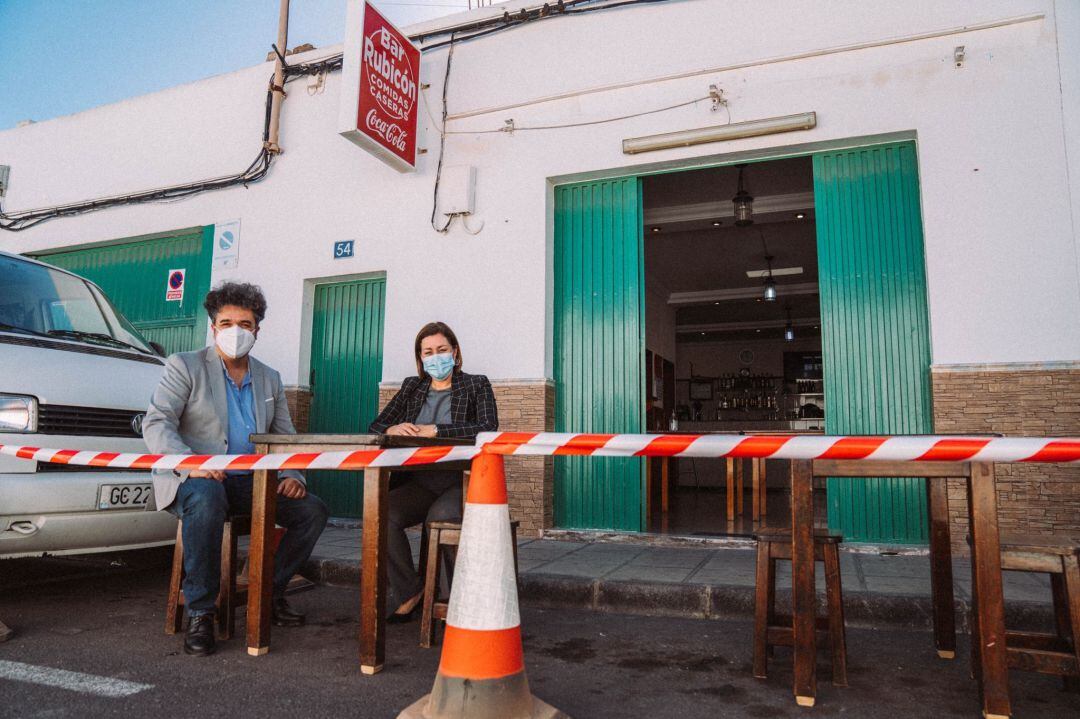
{"x":717,"y":96}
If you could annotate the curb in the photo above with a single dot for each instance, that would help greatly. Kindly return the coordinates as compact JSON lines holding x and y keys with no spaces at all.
{"x":703,"y":601}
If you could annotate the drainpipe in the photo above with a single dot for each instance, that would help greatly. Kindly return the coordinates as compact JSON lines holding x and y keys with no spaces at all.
{"x":278,"y":86}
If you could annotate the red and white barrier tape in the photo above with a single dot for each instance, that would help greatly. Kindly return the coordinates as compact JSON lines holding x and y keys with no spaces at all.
{"x":777,"y":446}
{"x":358,"y":459}
{"x":781,"y":446}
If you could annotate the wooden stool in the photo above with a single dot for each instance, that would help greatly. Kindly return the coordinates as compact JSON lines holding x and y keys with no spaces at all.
{"x":229,"y":596}
{"x":439,"y":535}
{"x":1057,"y":653}
{"x":771,"y":629}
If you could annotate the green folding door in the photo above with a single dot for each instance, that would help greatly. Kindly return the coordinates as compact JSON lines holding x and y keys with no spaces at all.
{"x":598,"y":348}
{"x":875,"y":330}
{"x":134,"y":274}
{"x":346,"y":367}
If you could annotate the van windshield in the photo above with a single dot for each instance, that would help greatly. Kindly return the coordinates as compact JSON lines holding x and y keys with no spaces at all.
{"x":38,"y":300}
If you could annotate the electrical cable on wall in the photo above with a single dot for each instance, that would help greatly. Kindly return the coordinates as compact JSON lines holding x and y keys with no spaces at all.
{"x":256,"y":171}
{"x":260,"y":166}
{"x":442,"y":146}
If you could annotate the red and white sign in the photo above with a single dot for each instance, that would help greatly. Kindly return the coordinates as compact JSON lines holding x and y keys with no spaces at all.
{"x":380,"y":94}
{"x":174,"y":286}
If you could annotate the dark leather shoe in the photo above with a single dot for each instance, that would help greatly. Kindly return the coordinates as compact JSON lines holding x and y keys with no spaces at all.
{"x":200,"y":636}
{"x":283,"y":615}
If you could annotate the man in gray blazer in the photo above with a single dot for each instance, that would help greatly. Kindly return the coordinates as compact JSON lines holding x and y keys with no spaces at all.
{"x":209,"y":402}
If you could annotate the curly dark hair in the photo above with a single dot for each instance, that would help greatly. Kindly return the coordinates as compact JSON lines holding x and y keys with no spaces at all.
{"x":237,"y":294}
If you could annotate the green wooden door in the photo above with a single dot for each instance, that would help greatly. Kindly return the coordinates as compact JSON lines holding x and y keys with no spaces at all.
{"x":598,"y":348}
{"x":346,"y":367}
{"x":875,"y":329}
{"x":134,"y":274}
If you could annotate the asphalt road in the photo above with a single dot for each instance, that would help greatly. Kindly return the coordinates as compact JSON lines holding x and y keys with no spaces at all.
{"x":103,"y":616}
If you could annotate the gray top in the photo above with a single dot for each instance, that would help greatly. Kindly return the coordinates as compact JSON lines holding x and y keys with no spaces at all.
{"x":436,"y":408}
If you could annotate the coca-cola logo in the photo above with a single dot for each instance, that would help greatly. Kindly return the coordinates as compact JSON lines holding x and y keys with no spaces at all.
{"x":392,"y":133}
{"x":390,"y":75}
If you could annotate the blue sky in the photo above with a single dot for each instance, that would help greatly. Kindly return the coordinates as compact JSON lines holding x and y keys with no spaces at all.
{"x":58,"y":57}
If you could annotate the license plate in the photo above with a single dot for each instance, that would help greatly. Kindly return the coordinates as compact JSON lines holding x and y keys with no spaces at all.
{"x":123,"y":496}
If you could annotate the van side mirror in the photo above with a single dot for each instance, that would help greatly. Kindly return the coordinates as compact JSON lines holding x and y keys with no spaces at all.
{"x":156,"y":346}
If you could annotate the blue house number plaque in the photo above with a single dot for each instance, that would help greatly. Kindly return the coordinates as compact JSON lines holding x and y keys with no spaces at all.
{"x":343,"y":249}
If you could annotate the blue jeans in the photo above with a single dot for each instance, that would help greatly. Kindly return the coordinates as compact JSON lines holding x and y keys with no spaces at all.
{"x":203,"y":505}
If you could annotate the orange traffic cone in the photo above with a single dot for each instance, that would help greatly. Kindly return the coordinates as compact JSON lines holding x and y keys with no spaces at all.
{"x":482,"y":673}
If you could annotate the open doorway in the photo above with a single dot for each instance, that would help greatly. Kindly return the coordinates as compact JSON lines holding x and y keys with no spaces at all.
{"x":874,"y":329}
{"x":732,"y":332}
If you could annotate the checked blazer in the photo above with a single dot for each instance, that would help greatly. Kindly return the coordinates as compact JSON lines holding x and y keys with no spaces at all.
{"x":472,"y":406}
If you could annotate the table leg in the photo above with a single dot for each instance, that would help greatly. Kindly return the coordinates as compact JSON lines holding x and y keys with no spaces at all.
{"x":803,"y":589}
{"x":261,"y":558}
{"x":664,"y":468}
{"x":648,"y":490}
{"x":993,"y":670}
{"x":764,"y":491}
{"x":730,"y":489}
{"x":941,"y":576}
{"x":740,"y":480}
{"x":755,"y":490}
{"x":373,"y":571}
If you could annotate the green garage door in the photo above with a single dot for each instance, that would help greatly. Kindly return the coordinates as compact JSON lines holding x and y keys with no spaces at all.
{"x":874,"y":327}
{"x":134,"y":274}
{"x":598,"y":348}
{"x":346,"y":367}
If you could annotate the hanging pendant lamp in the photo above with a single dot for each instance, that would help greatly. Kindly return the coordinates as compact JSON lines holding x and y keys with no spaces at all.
{"x":770,"y":283}
{"x":744,"y":204}
{"x":789,"y":331}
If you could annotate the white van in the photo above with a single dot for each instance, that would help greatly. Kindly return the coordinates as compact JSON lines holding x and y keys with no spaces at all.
{"x":74,"y":374}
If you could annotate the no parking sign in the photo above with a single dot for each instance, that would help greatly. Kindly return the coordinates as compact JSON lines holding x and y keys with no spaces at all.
{"x":174,"y":286}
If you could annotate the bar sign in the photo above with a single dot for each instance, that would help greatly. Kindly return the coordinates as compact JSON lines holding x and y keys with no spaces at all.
{"x":343,"y":249}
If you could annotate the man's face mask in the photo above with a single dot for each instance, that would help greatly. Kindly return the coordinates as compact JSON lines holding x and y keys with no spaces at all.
{"x":439,"y":366}
{"x":234,"y":341}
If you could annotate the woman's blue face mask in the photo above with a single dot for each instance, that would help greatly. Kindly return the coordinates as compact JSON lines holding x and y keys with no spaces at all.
{"x":439,"y":366}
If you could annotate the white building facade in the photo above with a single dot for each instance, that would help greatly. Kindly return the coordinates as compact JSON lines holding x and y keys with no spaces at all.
{"x":986,"y":95}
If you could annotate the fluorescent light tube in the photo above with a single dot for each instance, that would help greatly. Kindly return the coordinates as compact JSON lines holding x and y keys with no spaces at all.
{"x":718,"y":133}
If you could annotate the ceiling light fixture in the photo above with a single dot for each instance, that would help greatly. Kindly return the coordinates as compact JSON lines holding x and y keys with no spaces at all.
{"x":770,"y":283}
{"x":718,"y":133}
{"x":716,"y":224}
{"x":800,"y":215}
{"x":656,"y":229}
{"x":744,"y":203}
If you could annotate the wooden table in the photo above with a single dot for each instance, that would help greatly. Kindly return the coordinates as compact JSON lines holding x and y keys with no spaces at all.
{"x":373,"y":544}
{"x":989,"y":615}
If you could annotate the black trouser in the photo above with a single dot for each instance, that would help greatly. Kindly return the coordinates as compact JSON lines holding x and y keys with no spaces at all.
{"x":416,"y":497}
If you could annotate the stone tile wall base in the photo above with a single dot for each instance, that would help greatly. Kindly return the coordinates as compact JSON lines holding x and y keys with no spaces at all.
{"x":1039,"y":499}
{"x":299,"y":400}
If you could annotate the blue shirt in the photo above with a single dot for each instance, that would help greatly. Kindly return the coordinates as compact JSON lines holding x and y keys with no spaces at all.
{"x":241,"y":401}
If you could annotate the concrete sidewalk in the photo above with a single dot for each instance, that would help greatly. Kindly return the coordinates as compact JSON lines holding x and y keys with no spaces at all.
{"x":709,"y":581}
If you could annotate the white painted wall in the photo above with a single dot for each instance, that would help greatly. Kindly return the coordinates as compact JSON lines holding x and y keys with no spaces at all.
{"x":999,"y":214}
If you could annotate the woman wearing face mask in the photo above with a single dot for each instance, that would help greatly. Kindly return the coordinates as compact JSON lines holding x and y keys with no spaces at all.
{"x":441,"y":401}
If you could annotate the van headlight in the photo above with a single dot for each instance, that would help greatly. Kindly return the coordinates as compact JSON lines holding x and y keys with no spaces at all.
{"x":18,"y":413}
